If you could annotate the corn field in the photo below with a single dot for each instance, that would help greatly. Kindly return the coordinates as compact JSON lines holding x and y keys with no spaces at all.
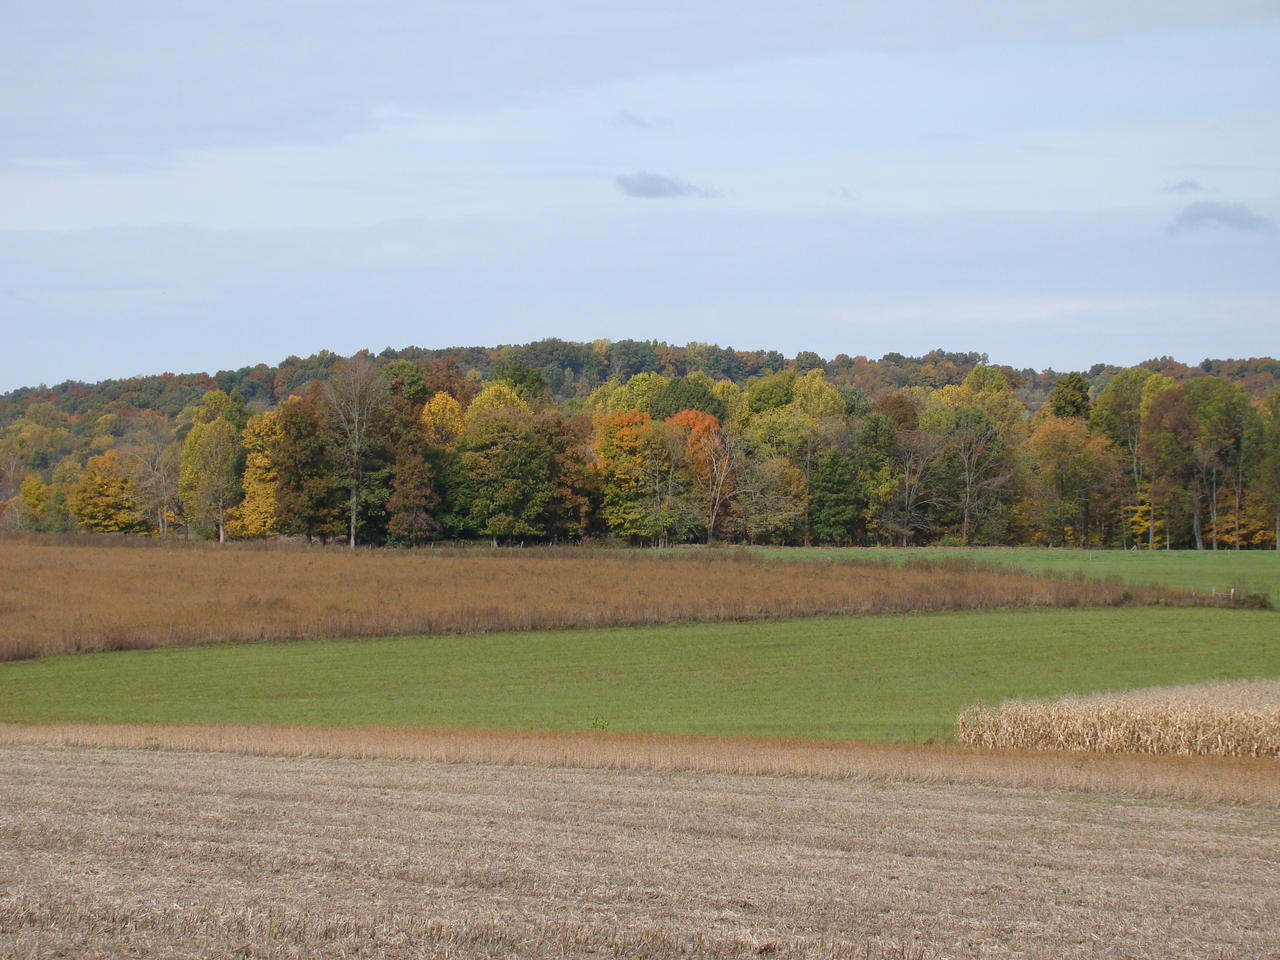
{"x":1218,"y":719}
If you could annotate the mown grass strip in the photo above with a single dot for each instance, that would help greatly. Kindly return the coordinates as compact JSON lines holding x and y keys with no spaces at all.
{"x":886,"y":678}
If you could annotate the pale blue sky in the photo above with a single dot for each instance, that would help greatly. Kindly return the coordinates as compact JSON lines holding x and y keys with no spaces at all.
{"x":207,"y":185}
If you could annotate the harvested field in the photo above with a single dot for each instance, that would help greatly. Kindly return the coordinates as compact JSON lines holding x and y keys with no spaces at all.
{"x":1200,"y":779}
{"x":1240,"y":719}
{"x":147,"y":854}
{"x":59,"y":599}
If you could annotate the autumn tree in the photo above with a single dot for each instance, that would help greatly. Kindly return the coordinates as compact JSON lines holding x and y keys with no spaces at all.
{"x":354,"y":397}
{"x":104,"y":499}
{"x":1223,"y":442}
{"x":1168,"y":429}
{"x":1266,"y":466}
{"x":1117,"y":414}
{"x":1070,"y":472}
{"x":771,"y":500}
{"x":154,"y":457}
{"x":211,"y":462}
{"x":308,"y":496}
{"x":441,"y":420}
{"x":414,"y":500}
{"x":648,"y":489}
{"x":255,"y":515}
{"x":711,"y":456}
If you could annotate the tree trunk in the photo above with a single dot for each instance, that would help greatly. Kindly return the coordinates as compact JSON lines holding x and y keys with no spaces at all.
{"x":1151,"y":530}
{"x":1213,"y":506}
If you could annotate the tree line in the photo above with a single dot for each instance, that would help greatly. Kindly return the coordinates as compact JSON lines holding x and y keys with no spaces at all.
{"x":408,"y":450}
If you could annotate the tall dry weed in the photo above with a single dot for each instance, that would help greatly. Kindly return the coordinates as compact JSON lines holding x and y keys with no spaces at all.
{"x":67,"y":598}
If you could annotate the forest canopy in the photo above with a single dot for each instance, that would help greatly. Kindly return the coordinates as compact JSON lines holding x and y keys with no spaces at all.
{"x":649,"y":443}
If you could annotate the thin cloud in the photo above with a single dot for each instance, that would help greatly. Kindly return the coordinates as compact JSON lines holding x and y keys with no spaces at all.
{"x":650,"y":186}
{"x":1185,"y":186}
{"x":1233,"y":216}
{"x":628,"y":118}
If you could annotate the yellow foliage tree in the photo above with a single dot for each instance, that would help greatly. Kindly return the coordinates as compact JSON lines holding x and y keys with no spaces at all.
{"x":255,"y":515}
{"x":496,"y":396}
{"x":441,"y":419}
{"x":104,"y":500}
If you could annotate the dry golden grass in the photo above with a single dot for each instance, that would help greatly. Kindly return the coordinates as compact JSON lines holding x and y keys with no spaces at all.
{"x":151,"y":854}
{"x":1200,"y":779}
{"x":1240,"y":719}
{"x":60,"y":598}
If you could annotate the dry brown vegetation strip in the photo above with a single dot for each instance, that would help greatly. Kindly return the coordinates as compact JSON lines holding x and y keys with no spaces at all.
{"x":57,"y":599}
{"x":1202,"y":779}
{"x":1232,"y":719}
{"x":150,"y":854}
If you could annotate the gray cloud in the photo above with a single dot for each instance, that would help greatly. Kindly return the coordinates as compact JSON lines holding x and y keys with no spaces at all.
{"x":657,"y":185}
{"x":1185,"y":186}
{"x":1209,"y":213}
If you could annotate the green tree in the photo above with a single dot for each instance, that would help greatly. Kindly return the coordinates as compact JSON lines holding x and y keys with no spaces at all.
{"x":1070,"y":396}
{"x":499,"y":480}
{"x":837,"y":501}
{"x":694,"y":392}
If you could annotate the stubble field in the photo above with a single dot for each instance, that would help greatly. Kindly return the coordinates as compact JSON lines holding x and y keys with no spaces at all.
{"x":147,"y":854}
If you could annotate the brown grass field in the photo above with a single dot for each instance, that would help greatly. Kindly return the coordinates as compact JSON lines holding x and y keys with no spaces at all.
{"x":60,"y":598}
{"x":1240,"y":719}
{"x":156,"y":854}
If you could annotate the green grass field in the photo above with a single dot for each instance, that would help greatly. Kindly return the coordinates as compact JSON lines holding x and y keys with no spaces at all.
{"x":897,"y":678}
{"x":1205,"y":571}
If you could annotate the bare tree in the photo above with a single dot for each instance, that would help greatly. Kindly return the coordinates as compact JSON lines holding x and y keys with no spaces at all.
{"x":354,"y":398}
{"x":153,"y":455}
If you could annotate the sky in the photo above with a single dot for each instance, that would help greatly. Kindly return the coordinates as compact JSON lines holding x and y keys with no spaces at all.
{"x":1056,"y":183}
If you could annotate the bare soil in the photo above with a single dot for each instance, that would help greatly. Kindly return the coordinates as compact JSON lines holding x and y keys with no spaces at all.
{"x":150,"y":853}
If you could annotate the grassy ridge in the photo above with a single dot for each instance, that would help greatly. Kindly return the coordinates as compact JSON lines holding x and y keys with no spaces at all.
{"x":899,"y":678}
{"x":1204,"y":571}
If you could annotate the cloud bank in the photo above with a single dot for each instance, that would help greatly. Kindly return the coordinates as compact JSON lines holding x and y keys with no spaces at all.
{"x":650,"y":186}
